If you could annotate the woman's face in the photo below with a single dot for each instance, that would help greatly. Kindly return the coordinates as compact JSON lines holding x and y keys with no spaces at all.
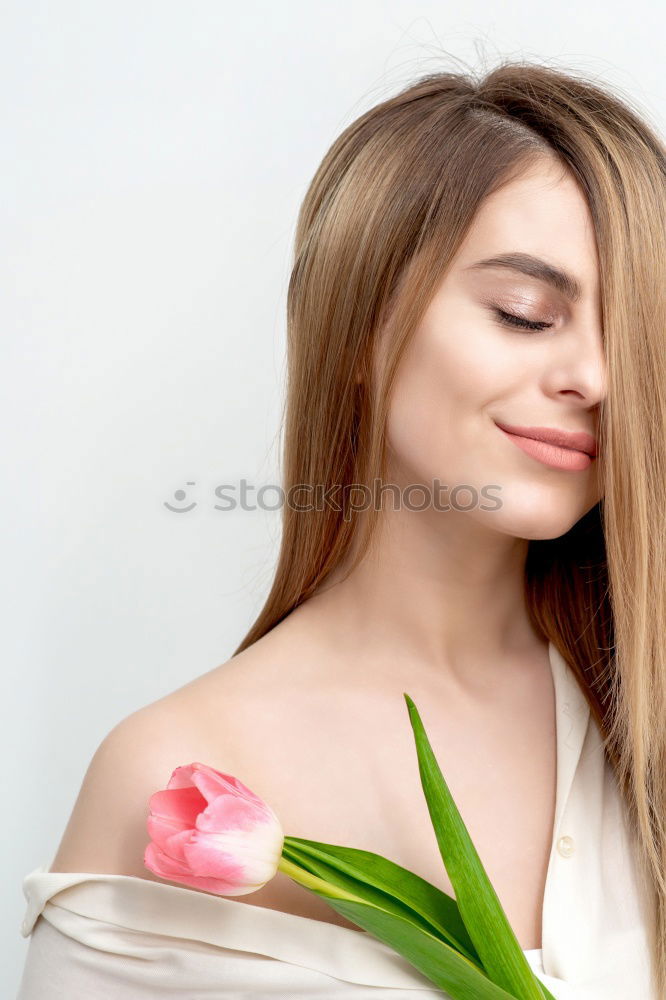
{"x":471,"y":369}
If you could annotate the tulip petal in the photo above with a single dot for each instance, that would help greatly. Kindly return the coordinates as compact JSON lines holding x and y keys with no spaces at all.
{"x":227,"y":812}
{"x":174,"y":845}
{"x":160,"y":830}
{"x":161,"y":863}
{"x":181,"y":777}
{"x":212,"y":783}
{"x":165,"y":867}
{"x":179,"y":805}
{"x":234,"y":857}
{"x":207,"y":884}
{"x":210,"y":831}
{"x":207,"y":858}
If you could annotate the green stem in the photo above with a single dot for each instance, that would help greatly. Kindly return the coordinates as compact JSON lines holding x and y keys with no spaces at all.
{"x":311,"y":881}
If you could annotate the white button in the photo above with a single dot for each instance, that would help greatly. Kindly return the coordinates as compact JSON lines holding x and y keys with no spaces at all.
{"x":565,"y":846}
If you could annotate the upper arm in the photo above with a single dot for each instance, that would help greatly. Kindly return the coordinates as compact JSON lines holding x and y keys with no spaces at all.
{"x":106,"y":831}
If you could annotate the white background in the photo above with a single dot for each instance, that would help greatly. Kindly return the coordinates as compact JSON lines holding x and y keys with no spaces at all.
{"x":154,"y":158}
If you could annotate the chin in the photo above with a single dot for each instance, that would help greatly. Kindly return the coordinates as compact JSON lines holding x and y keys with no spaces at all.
{"x":536,"y":511}
{"x":535,"y":525}
{"x":544,"y":533}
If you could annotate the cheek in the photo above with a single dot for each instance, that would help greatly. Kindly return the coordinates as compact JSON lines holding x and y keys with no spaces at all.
{"x":446,"y":380}
{"x":440,"y":388}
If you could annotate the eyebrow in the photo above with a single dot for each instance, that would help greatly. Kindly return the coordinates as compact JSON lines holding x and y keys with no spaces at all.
{"x":535,"y":267}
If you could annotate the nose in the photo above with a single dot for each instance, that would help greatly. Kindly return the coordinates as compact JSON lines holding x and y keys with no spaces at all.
{"x":580,"y":368}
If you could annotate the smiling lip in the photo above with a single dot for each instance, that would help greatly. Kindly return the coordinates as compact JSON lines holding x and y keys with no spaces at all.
{"x":554,"y":447}
{"x":577,"y":440}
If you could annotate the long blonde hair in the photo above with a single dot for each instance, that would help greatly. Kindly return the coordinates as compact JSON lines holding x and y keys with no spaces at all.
{"x":383,"y":217}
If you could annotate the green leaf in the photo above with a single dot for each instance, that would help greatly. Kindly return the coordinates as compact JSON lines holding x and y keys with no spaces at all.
{"x":438,"y":961}
{"x":479,"y":906}
{"x":388,"y":885}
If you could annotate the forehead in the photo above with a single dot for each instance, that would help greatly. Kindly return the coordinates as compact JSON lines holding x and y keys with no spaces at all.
{"x":544,"y":213}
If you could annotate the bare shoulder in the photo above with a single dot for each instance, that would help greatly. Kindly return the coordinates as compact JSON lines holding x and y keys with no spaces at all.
{"x":202,"y":721}
{"x":228,"y":718}
{"x":263,"y":716}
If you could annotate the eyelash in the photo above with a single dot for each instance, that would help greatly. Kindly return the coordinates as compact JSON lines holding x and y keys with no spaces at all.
{"x":508,"y":319}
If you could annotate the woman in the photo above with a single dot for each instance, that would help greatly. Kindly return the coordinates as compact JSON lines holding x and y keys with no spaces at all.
{"x":476,"y":306}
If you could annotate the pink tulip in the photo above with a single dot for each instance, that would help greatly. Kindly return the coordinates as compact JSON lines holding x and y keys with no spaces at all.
{"x":209,"y":831}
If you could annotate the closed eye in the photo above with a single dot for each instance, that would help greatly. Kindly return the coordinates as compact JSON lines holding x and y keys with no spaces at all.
{"x":508,"y":319}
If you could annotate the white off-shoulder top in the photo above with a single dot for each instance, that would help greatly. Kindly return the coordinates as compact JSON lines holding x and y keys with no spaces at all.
{"x":117,"y":937}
